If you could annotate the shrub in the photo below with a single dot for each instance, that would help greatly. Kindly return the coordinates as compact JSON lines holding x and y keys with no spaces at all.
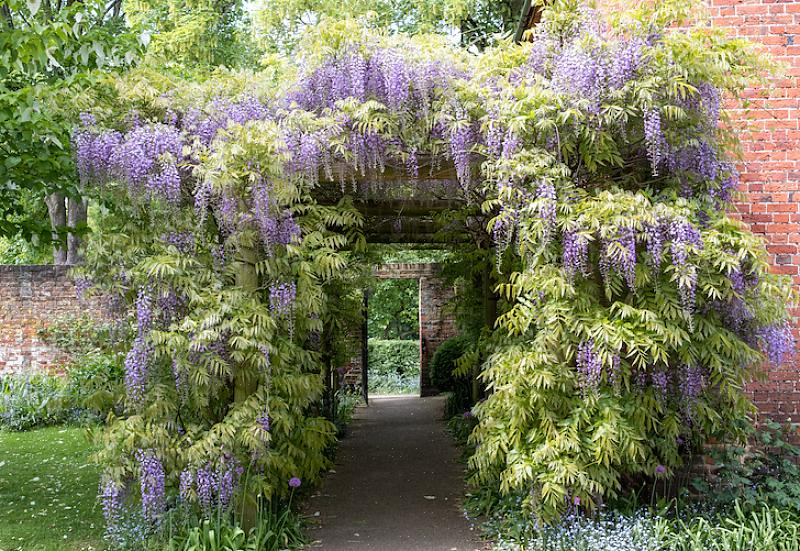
{"x":767,"y":474}
{"x":94,"y":383}
{"x":394,"y":356}
{"x":443,"y":363}
{"x":393,"y":366}
{"x":31,"y":400}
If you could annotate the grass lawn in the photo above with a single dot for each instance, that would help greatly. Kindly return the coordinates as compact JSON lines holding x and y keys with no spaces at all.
{"x":48,"y":490}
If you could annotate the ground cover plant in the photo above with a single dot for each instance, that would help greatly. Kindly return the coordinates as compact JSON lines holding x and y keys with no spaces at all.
{"x":48,"y":491}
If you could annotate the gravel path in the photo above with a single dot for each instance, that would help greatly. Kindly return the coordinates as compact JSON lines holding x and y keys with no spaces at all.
{"x":397,"y":484}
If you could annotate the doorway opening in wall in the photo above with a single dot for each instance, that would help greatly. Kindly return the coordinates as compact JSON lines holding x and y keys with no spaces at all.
{"x":393,"y":338}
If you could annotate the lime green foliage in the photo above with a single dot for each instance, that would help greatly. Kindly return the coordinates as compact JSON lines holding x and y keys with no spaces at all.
{"x":48,"y":489}
{"x":279,"y":25}
{"x":393,"y":366}
{"x":209,"y":33}
{"x":543,"y":427}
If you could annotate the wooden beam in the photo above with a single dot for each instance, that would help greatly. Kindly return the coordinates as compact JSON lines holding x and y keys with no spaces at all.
{"x":412,"y":238}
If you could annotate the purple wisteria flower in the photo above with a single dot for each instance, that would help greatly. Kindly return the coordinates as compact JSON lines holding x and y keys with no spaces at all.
{"x":263,"y":421}
{"x":776,"y":342}
{"x":660,"y":381}
{"x":151,"y":477}
{"x":657,"y":147}
{"x":82,"y":285}
{"x":281,"y":299}
{"x":144,"y":311}
{"x":589,"y":364}
{"x":546,"y":194}
{"x":111,"y":497}
{"x":206,"y":485}
{"x":137,"y":364}
{"x":575,"y":256}
{"x":228,"y":473}
{"x":186,"y":484}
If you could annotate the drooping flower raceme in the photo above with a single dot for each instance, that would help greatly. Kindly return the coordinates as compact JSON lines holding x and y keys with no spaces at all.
{"x":151,"y":475}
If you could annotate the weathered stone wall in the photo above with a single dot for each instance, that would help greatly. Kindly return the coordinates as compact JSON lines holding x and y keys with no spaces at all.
{"x":30,"y":298}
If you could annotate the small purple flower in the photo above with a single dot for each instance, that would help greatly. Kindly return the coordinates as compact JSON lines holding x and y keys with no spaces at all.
{"x":576,"y":501}
{"x":111,"y":497}
{"x":263,"y":421}
{"x":294,"y":482}
{"x":186,"y":483}
{"x":660,"y":469}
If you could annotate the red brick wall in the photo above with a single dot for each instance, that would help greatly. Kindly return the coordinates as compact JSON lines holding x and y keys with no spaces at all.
{"x":770,"y":134}
{"x":30,"y":298}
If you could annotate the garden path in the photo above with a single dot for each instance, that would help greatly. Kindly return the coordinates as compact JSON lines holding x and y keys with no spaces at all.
{"x":397,"y":484}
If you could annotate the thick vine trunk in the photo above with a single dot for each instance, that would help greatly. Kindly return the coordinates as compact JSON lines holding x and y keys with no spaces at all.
{"x":245,"y":379}
{"x":76,"y":219}
{"x":57,"y":209}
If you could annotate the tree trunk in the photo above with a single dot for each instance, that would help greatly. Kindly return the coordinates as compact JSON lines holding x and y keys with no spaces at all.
{"x":57,"y":209}
{"x":245,"y":378}
{"x":76,"y":218}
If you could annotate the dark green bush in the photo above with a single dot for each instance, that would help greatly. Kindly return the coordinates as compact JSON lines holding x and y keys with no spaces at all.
{"x":767,"y":474}
{"x":444,"y":362}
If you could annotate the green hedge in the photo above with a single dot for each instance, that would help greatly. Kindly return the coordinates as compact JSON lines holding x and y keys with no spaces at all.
{"x":394,"y":356}
{"x":393,"y":366}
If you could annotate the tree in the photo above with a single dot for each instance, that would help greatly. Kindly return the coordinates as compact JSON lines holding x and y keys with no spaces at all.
{"x":54,"y":53}
{"x":195,"y":35}
{"x":394,"y":309}
{"x":280,"y":25}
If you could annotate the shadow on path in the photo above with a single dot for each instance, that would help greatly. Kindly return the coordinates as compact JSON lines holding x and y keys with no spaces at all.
{"x":397,"y":484}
